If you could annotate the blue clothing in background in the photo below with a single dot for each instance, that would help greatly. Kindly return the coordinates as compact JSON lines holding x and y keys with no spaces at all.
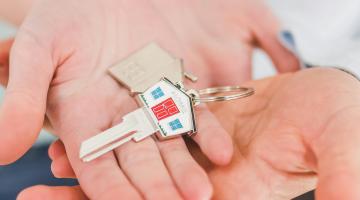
{"x":32,"y":169}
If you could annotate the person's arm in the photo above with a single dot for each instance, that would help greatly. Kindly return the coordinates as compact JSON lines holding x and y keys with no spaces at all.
{"x":14,"y":11}
{"x":347,"y":60}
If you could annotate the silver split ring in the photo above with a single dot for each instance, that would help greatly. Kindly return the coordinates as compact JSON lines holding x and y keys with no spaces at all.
{"x":209,"y":94}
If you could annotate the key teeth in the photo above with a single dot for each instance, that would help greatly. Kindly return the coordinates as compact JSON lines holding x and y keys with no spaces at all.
{"x":83,"y":152}
{"x":84,"y":155}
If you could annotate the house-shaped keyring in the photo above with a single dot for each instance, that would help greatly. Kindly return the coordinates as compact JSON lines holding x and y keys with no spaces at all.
{"x":170,"y":107}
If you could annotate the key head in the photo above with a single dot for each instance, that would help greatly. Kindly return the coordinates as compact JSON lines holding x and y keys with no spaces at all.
{"x":146,"y":67}
{"x":170,"y":108}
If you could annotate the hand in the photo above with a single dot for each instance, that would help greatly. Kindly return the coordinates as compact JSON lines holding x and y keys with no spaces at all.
{"x":58,"y":68}
{"x":298,"y":132}
{"x":297,"y":128}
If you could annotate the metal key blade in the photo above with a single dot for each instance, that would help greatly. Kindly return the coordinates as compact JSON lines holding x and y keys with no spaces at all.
{"x":103,"y":142}
{"x":135,"y":122}
{"x":103,"y":150}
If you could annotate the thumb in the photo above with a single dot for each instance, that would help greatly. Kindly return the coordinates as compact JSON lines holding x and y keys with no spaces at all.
{"x":24,"y":105}
{"x":52,"y":192}
{"x":266,"y":31}
{"x":212,"y":138}
{"x":338,"y":154}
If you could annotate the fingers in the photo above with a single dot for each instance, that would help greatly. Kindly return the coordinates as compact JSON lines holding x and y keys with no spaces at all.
{"x":337,"y":151}
{"x":195,"y":185}
{"x":212,"y":138}
{"x":5,"y":47}
{"x":52,"y":192}
{"x":60,"y":166}
{"x":24,"y":105}
{"x":230,"y":66}
{"x":144,"y":167}
{"x":266,"y":31}
{"x":101,"y":178}
{"x":189,"y":177}
{"x":56,"y":150}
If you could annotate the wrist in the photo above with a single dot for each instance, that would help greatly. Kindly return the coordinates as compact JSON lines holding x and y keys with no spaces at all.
{"x":348,"y":72}
{"x":337,"y":77}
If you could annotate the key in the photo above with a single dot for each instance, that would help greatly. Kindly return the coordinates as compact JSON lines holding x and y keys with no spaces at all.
{"x":167,"y":111}
{"x":144,"y":68}
{"x":136,"y":125}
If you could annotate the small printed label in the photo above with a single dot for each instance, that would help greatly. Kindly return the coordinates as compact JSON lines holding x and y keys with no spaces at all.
{"x":157,"y":93}
{"x":165,"y":109}
{"x":176,"y":124}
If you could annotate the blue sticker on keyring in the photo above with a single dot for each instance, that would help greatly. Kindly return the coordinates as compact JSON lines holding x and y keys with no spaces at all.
{"x":176,"y":124}
{"x":157,"y":93}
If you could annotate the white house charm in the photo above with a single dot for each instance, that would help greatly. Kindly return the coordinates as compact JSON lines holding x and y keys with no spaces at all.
{"x":170,"y":108}
{"x":167,"y":111}
{"x":167,"y":107}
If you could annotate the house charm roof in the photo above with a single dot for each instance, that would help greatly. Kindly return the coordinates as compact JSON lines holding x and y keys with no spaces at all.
{"x":170,"y":107}
{"x":146,"y":67}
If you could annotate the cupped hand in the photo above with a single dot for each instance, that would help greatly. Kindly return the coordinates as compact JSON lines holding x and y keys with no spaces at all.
{"x":298,"y":132}
{"x":58,"y":68}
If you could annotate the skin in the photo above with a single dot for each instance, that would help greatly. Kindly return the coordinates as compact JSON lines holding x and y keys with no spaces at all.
{"x":63,"y":79}
{"x":298,"y":132}
{"x":4,"y":60}
{"x":14,"y":11}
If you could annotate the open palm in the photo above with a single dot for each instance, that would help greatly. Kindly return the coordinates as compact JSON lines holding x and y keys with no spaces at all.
{"x":298,"y":132}
{"x":297,"y":128}
{"x":58,"y":67}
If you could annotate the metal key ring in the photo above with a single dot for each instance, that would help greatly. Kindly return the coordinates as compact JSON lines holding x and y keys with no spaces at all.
{"x":242,"y":92}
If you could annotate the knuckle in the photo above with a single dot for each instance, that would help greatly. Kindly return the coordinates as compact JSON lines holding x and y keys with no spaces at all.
{"x":161,"y":190}
{"x":89,"y":172}
{"x":28,"y":99}
{"x":117,"y":191}
{"x":172,"y":146}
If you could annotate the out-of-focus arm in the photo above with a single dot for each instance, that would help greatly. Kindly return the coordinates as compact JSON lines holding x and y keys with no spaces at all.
{"x":14,"y":11}
{"x":347,"y":60}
